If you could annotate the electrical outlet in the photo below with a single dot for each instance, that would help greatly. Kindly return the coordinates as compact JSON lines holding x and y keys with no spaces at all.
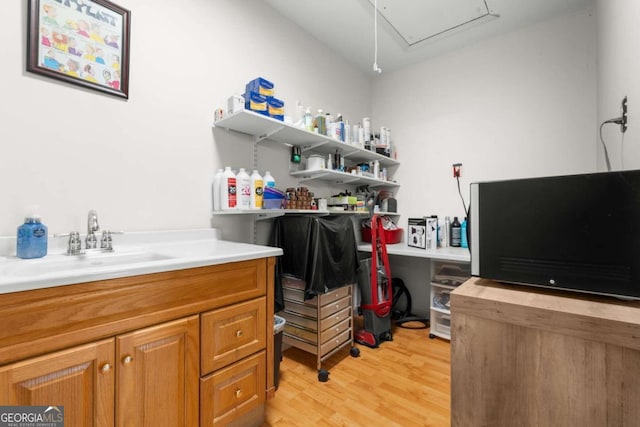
{"x":623,"y":122}
{"x":457,"y":170}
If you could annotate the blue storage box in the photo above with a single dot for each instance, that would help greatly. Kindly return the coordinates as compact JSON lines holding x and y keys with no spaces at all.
{"x":261,"y":86}
{"x":273,"y":198}
{"x":255,"y":102}
{"x":276,"y":108}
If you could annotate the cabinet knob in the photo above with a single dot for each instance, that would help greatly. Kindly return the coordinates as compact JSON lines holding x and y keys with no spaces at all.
{"x":105,"y":368}
{"x":239,"y":333}
{"x":238,"y":393}
{"x":127,"y":359}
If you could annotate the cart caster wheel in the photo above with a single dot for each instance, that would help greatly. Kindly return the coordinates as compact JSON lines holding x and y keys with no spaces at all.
{"x":355,"y":352}
{"x":432,"y":336}
{"x":323,"y":375}
{"x":388,"y":336}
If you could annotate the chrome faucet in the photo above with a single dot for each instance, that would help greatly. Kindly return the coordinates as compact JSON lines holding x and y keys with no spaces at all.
{"x":92,"y":226}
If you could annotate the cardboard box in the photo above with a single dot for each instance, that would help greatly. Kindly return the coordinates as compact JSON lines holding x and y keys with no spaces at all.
{"x":276,"y":108}
{"x":260,"y":86}
{"x":417,"y":230}
{"x":255,"y":102}
{"x":432,"y":232}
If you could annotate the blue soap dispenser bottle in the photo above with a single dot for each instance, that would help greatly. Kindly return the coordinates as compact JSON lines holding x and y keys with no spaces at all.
{"x":32,"y":238}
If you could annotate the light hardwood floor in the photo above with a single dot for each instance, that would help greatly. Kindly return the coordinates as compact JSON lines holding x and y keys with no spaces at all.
{"x":404,"y":382}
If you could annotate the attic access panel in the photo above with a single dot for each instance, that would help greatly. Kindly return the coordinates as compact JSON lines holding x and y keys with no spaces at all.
{"x":418,"y":20}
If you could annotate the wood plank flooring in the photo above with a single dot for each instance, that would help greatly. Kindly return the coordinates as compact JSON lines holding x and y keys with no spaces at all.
{"x":404,"y":382}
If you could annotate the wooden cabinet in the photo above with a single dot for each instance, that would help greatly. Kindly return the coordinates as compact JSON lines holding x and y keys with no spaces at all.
{"x":321,"y":325}
{"x":155,"y":367}
{"x":232,"y":392}
{"x":127,"y":352}
{"x":524,"y":356}
{"x":157,"y":371}
{"x":81,"y":379}
{"x":233,"y":362}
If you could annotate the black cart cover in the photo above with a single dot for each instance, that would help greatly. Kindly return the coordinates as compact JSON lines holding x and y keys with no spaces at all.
{"x":320,"y":250}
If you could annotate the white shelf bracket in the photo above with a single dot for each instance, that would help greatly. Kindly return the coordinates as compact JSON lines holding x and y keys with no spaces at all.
{"x":267,"y":135}
{"x":315,"y":146}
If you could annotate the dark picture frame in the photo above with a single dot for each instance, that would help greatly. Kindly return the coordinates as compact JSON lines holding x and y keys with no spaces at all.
{"x":81,"y":42}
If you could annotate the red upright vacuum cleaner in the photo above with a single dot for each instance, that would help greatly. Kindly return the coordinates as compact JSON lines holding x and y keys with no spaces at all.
{"x":377,"y":297}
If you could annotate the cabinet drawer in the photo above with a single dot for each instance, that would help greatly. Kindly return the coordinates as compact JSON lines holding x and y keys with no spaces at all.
{"x":233,"y":391}
{"x":312,"y":324}
{"x":336,"y":318}
{"x":301,"y":309}
{"x":302,"y":321}
{"x":297,"y":295}
{"x":331,"y":332}
{"x":440,"y":296}
{"x":450,"y":272}
{"x":335,"y":342}
{"x":231,"y":333}
{"x":334,"y":307}
{"x":301,"y":333}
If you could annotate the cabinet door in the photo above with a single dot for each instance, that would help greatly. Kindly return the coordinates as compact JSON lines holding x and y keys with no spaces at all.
{"x":81,"y":379}
{"x":158,"y":375}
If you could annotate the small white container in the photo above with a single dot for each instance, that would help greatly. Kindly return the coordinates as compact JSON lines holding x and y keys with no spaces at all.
{"x":315,"y":162}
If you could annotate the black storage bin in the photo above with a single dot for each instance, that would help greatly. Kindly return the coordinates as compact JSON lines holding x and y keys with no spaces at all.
{"x":278,"y":328}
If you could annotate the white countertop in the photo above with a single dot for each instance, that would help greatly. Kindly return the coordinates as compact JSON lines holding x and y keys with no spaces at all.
{"x":447,"y":254}
{"x":135,"y":253}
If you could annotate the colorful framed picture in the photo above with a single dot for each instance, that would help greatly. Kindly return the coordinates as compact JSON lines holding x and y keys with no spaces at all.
{"x":84,"y":42}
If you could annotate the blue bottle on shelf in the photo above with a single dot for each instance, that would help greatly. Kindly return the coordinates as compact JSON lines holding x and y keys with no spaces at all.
{"x":463,"y":234}
{"x":32,"y":239}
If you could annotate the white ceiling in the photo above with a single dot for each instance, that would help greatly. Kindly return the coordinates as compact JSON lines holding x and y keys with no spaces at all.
{"x":347,"y":26}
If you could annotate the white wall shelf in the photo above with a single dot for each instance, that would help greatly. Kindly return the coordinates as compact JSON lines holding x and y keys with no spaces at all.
{"x":338,"y":177}
{"x":446,"y":254}
{"x":273,"y":213}
{"x":265,"y":128}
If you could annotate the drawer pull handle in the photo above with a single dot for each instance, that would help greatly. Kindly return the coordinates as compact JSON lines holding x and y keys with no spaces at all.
{"x":239,"y":333}
{"x":238,"y":393}
{"x":105,"y":368}
{"x":127,"y":360}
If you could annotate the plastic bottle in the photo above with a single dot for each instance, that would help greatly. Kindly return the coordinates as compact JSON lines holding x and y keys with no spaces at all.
{"x":257,"y":190}
{"x":31,"y":241}
{"x":321,"y":123}
{"x":308,"y":120}
{"x":243,"y":181}
{"x":455,"y":233}
{"x":463,"y":234}
{"x":228,"y":190}
{"x":268,"y":180}
{"x":346,"y":134}
{"x":216,"y":189}
{"x":446,"y":233}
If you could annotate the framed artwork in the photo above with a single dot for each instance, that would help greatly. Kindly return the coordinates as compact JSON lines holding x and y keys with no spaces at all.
{"x":84,"y":42}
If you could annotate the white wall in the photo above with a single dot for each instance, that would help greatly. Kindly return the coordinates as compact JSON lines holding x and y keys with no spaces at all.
{"x":518,"y":105}
{"x":147,"y":163}
{"x":618,"y":71}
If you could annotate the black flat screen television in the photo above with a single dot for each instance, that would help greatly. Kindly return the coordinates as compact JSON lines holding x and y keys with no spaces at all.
{"x":574,"y":232}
